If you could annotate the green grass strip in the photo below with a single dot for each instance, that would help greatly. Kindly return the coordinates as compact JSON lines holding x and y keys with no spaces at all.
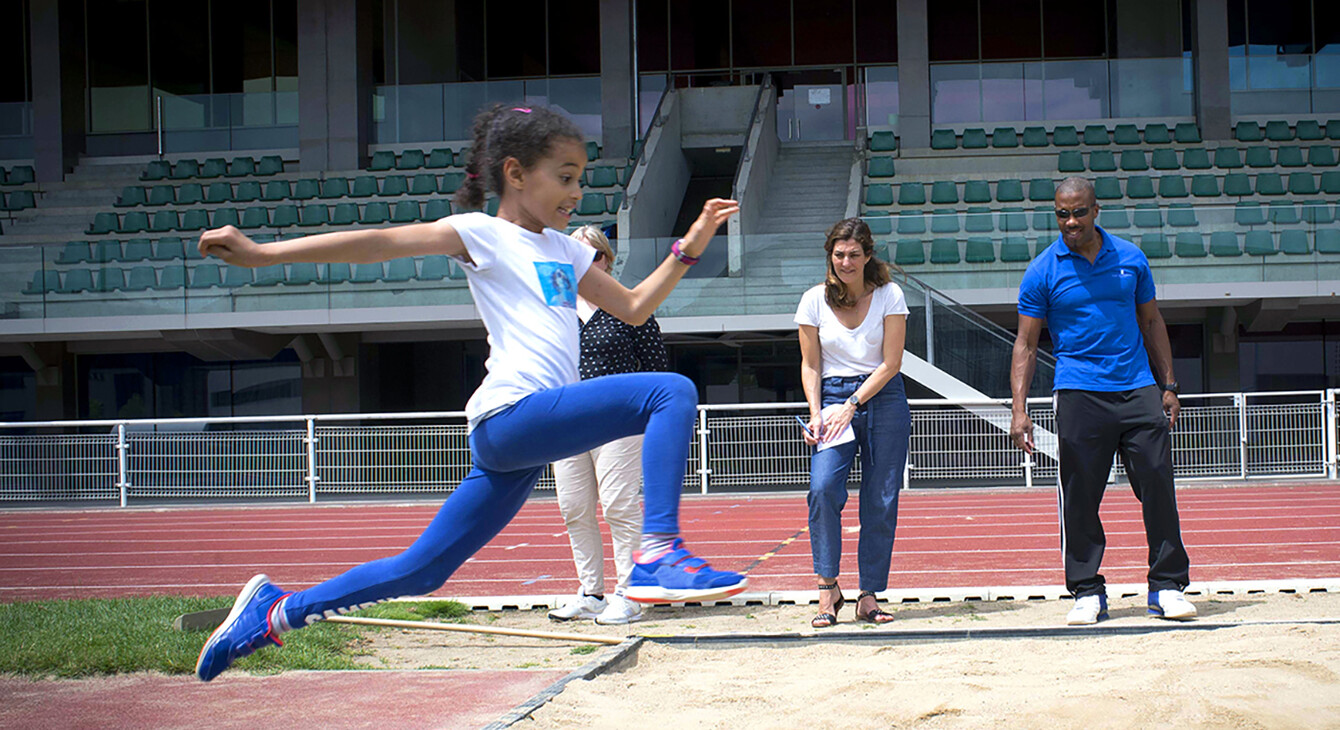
{"x":117,"y":636}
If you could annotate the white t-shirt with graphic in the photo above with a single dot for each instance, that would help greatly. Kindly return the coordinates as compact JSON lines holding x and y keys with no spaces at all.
{"x":525,"y":287}
{"x":850,"y":352}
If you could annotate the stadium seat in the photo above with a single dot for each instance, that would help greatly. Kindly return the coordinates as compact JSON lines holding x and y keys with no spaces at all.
{"x":1096,"y":134}
{"x":908,"y":253}
{"x":978,"y":220}
{"x":591,"y":204}
{"x":382,"y":160}
{"x":130,"y":197}
{"x":1041,"y":189}
{"x":1155,"y":246}
{"x":1205,"y":186}
{"x":185,"y":169}
{"x":376,"y":213}
{"x":195,"y":219}
{"x":106,"y":252}
{"x":334,"y":187}
{"x":1172,"y":186}
{"x":19,"y":200}
{"x":165,"y":221}
{"x":1009,"y":191}
{"x":314,"y":214}
{"x":1112,"y":218}
{"x":1157,"y":134}
{"x":302,"y":274}
{"x":403,"y":269}
{"x":1196,"y":158}
{"x":974,"y":139}
{"x":1249,"y":214}
{"x":241,"y":167}
{"x":1133,"y":161}
{"x":1044,"y":219}
{"x":944,"y":221}
{"x":451,"y":181}
{"x":491,"y":206}
{"x":944,"y":251}
{"x":592,"y":151}
{"x":1013,"y":220}
{"x":407,"y":211}
{"x":268,"y":275}
{"x":43,"y":282}
{"x":157,"y":170}
{"x":1224,"y":243}
{"x":909,"y":193}
{"x":1248,"y":132}
{"x":344,"y":214}
{"x":605,"y":176}
{"x":164,"y":195}
{"x":74,"y":252}
{"x":248,"y":191}
{"x":77,"y":280}
{"x":1269,"y":183}
{"x":883,"y":141}
{"x":435,"y":268}
{"x":1102,"y":161}
{"x":205,"y":276}
{"x":1186,"y":133}
{"x":410,"y":160}
{"x":1070,"y":161}
{"x":306,"y":189}
{"x":137,"y":249}
{"x":219,"y":192}
{"x":880,"y":225}
{"x":284,"y":216}
{"x":394,"y":185}
{"x":1259,"y":157}
{"x":172,"y":277}
{"x":276,"y":190}
{"x":1282,"y":213}
{"x":1227,"y":158}
{"x":943,"y":139}
{"x":191,"y":193}
{"x":979,"y":250}
{"x":911,"y":224}
{"x":1126,"y":134}
{"x":135,"y":221}
{"x":1317,"y":212}
{"x":1308,"y":129}
{"x":1148,"y":215}
{"x":1140,"y":187}
{"x":1237,"y":184}
{"x":237,"y":276}
{"x":1004,"y":138}
{"x":142,"y":278}
{"x":1321,"y":156}
{"x":255,"y":217}
{"x":109,"y":280}
{"x":1107,"y":188}
{"x":463,"y":156}
{"x":1328,"y":240}
{"x":1278,"y":131}
{"x":368,"y":273}
{"x":1189,"y":245}
{"x":439,"y":158}
{"x":1014,"y":249}
{"x":878,"y":194}
{"x":336,"y":273}
{"x":213,"y":167}
{"x":615,"y":201}
{"x":944,"y":192}
{"x":878,"y":167}
{"x":1259,"y":243}
{"x":103,"y":223}
{"x":1065,"y":136}
{"x":437,"y":209}
{"x":225,"y":217}
{"x":1164,"y":159}
{"x":423,"y":184}
{"x":1330,"y":182}
{"x":1035,"y":137}
{"x":1181,"y":215}
{"x":1290,"y":156}
{"x":270,"y":165}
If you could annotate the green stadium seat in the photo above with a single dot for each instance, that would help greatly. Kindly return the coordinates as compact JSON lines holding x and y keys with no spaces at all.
{"x":1107,"y":188}
{"x":172,"y":278}
{"x":219,"y":192}
{"x":911,"y":224}
{"x":165,"y":221}
{"x":1248,"y":132}
{"x":615,"y":200}
{"x":1014,"y":249}
{"x":944,"y":221}
{"x":214,"y":167}
{"x":1278,"y":131}
{"x":1164,"y":159}
{"x":241,"y":167}
{"x":463,"y":157}
{"x":1259,"y":243}
{"x":255,"y":217}
{"x":1044,"y":219}
{"x":336,"y":273}
{"x":1009,"y":191}
{"x":382,"y":160}
{"x":266,"y":275}
{"x":1308,"y":130}
{"x":451,"y":182}
{"x":1328,"y":240}
{"x":880,"y":225}
{"x":1317,"y":212}
{"x":165,"y":195}
{"x":1013,"y":220}
{"x":398,"y":270}
{"x":1249,"y":214}
{"x":491,"y":206}
{"x":43,"y":282}
{"x":1259,"y":157}
{"x":1126,"y":134}
{"x":369,"y":273}
{"x":423,"y":184}
{"x":1133,"y":161}
{"x":195,"y":219}
{"x":1186,"y":133}
{"x":1269,"y":183}
{"x":1227,"y":158}
{"x":185,"y":169}
{"x":944,"y":251}
{"x":1140,"y":187}
{"x":1196,"y":158}
{"x":435,"y":268}
{"x":157,"y":170}
{"x":1065,"y":136}
{"x":225,"y":217}
{"x":944,"y":192}
{"x":334,"y":187}
{"x":130,"y":197}
{"x":1070,"y":161}
{"x":605,"y":176}
{"x":142,"y":278}
{"x":1282,"y":213}
{"x":1155,"y":246}
{"x":1004,"y":138}
{"x":438,"y":159}
{"x":1102,"y":161}
{"x":1157,"y":134}
{"x":106,"y":252}
{"x":1224,"y":243}
{"x":1148,"y":215}
{"x":1096,"y":134}
{"x":344,"y":214}
{"x":394,"y":185}
{"x":908,"y":253}
{"x":264,"y":237}
{"x":1321,"y":156}
{"x":1205,"y":186}
{"x":1042,"y":243}
{"x":365,"y":186}
{"x":109,"y":280}
{"x":237,"y":276}
{"x":191,"y":193}
{"x":284,"y":216}
{"x":302,"y":274}
{"x":135,"y":221}
{"x":103,"y":223}
{"x":205,"y":276}
{"x":306,"y":189}
{"x":1035,"y":137}
{"x":248,"y":191}
{"x":270,"y":165}
{"x":1237,"y":184}
{"x":978,"y":220}
{"x":1290,"y":156}
{"x":1041,"y":189}
{"x":314,"y":214}
{"x":979,"y":251}
{"x":883,"y":141}
{"x":1189,"y":245}
{"x":77,"y":280}
{"x":276,"y":190}
{"x":943,"y":139}
{"x":410,"y":160}
{"x":375,"y":213}
{"x":436,"y":209}
{"x":909,"y":193}
{"x":879,"y":194}
{"x":878,"y":167}
{"x":592,"y":151}
{"x":591,"y":204}
{"x":1330,"y":182}
{"x":74,"y":252}
{"x":1172,"y":186}
{"x":1112,"y":218}
{"x":1181,"y":215}
{"x":405,"y":211}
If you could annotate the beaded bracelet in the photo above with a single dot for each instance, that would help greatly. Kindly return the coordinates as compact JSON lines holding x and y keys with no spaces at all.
{"x":684,"y":258}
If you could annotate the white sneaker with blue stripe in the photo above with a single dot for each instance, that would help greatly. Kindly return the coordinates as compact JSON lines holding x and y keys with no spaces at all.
{"x":1171,"y":604}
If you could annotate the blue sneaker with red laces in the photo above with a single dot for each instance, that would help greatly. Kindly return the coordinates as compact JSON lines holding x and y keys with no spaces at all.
{"x":678,"y":576}
{"x":246,"y":629}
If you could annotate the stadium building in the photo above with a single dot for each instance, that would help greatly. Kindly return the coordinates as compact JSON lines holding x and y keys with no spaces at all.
{"x":1210,"y":129}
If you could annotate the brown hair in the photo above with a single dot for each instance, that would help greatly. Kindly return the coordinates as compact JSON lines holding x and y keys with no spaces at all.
{"x":591,"y":236}
{"x":502,"y":131}
{"x":876,"y":271}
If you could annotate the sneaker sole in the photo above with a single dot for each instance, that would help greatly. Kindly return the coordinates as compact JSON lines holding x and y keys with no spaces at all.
{"x":1101,"y":617}
{"x":243,"y":598}
{"x":657,"y":594}
{"x":1159,"y":613}
{"x":578,"y":617}
{"x":620,"y":622}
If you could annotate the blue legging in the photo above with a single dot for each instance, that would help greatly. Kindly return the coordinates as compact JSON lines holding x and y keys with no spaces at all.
{"x":510,"y":450}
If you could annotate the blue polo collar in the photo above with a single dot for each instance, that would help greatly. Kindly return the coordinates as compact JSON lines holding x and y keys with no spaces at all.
{"x":1064,"y":250}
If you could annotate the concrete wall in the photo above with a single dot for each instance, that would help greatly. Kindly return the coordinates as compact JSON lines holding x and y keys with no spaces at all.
{"x":1148,"y":29}
{"x":756,"y":165}
{"x":1209,"y":43}
{"x":616,"y":78}
{"x":56,"y":36}
{"x":914,"y":76}
{"x":334,"y":83}
{"x":716,"y":117}
{"x":657,"y":187}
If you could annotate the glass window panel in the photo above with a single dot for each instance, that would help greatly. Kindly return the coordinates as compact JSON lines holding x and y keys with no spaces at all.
{"x":822,"y":32}
{"x":881,"y":96}
{"x":1237,"y":27}
{"x":1326,"y":26}
{"x":267,"y":388}
{"x":1076,"y":90}
{"x":1035,"y":106}
{"x":1013,"y":29}
{"x":1279,"y":72}
{"x":14,"y":53}
{"x":241,"y":46}
{"x":760,"y":33}
{"x":179,"y":46}
{"x":698,"y":38}
{"x":1073,"y":30}
{"x":516,"y":41}
{"x":18,"y":390}
{"x":117,"y":386}
{"x":653,"y":49}
{"x":118,"y":66}
{"x":1279,"y":26}
{"x":1237,"y":73}
{"x":650,"y":89}
{"x":1281,"y":365}
{"x":956,"y":93}
{"x":952,"y":25}
{"x":469,"y":41}
{"x":1328,"y":70}
{"x":1003,"y":92}
{"x":383,"y":41}
{"x":424,"y":51}
{"x":1149,"y":87}
{"x":876,"y":31}
{"x":574,"y":37}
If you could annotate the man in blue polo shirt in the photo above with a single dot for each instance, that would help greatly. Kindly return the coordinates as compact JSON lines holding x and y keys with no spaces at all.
{"x":1096,"y":294}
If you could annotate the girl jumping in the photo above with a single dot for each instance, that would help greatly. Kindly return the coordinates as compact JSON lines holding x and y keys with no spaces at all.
{"x":531,"y":409}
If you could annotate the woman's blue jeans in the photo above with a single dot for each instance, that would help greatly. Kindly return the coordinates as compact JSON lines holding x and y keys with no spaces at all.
{"x":882,"y":426}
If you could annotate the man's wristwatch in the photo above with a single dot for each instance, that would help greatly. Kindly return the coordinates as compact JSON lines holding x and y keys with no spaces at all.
{"x":854,"y":401}
{"x":1171,"y":388}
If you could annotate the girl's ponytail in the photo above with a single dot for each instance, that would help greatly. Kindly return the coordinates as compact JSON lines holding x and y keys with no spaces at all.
{"x":470,"y":195}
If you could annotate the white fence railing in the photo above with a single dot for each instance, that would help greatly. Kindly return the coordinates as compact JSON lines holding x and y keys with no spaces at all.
{"x":736,"y":448}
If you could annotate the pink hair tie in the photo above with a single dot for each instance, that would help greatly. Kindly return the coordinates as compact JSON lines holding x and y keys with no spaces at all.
{"x":472,"y":176}
{"x":521,"y":109}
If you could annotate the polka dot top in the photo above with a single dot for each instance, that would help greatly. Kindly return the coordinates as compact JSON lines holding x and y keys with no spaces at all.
{"x":611,"y":346}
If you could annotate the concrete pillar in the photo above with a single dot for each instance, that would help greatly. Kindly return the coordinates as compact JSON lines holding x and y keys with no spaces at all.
{"x":914,"y":75}
{"x":616,"y":78}
{"x":56,"y":36}
{"x":334,"y":83}
{"x":1209,"y":53}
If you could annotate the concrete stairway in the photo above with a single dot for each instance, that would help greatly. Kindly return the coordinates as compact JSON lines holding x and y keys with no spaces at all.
{"x":65,"y":209}
{"x":808,"y":188}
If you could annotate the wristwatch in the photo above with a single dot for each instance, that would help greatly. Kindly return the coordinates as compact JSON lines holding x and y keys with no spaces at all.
{"x":1171,"y":388}
{"x":854,"y":400}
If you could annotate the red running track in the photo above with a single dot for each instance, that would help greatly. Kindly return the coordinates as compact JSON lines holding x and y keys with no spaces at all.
{"x":960,"y":538}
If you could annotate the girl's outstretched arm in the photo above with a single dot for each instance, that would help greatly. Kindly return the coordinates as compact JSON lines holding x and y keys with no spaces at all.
{"x":355,"y":247}
{"x":635,"y":305}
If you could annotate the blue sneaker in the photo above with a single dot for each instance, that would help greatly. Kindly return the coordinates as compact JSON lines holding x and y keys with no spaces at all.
{"x":246,"y":629}
{"x":678,"y":576}
{"x":1171,"y":604}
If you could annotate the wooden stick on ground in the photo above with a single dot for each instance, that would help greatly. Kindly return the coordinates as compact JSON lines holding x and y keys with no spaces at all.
{"x":467,"y":628}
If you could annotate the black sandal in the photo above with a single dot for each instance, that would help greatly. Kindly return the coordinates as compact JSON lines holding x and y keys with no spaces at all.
{"x":825,"y":619}
{"x":877,"y":615}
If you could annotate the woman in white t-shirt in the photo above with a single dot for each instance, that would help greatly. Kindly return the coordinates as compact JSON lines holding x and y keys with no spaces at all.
{"x":531,"y":409}
{"x":852,"y":329}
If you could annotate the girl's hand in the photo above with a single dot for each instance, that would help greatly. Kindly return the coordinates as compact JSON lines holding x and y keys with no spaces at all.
{"x":232,"y":246}
{"x":838,"y":420}
{"x":715,"y":212}
{"x":816,"y":428}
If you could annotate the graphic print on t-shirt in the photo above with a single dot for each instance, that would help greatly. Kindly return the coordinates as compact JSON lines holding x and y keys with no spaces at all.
{"x":557,"y":283}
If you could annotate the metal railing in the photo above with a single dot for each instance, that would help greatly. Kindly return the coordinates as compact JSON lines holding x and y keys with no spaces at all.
{"x":738,"y":447}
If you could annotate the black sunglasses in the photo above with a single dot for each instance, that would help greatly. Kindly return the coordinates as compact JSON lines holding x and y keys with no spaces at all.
{"x":1063,"y":214}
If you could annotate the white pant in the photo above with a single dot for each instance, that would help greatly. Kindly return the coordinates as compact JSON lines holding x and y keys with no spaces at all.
{"x":613,"y":473}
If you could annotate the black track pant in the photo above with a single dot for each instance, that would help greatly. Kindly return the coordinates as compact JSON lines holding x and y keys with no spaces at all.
{"x":1093,"y":426}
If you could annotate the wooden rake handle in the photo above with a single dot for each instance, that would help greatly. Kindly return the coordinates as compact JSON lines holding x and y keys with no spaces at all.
{"x":466,"y":628}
